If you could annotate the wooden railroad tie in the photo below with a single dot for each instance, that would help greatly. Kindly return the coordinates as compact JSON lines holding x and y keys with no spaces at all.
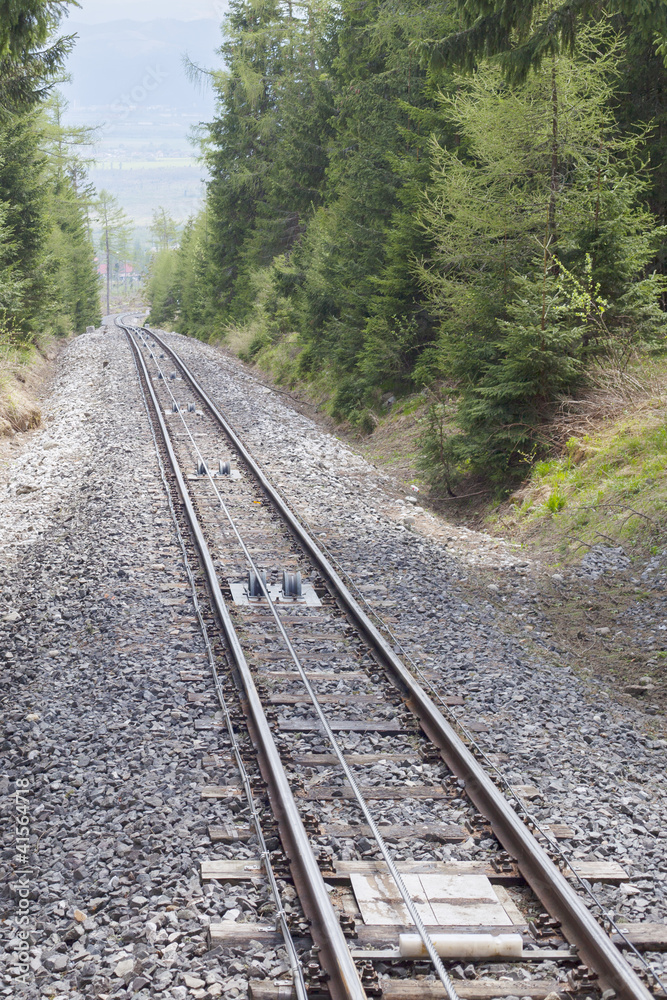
{"x":224,"y":870}
{"x":402,"y":989}
{"x":347,"y":725}
{"x":645,"y":937}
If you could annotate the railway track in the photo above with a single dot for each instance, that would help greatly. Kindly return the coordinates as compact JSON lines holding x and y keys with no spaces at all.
{"x":372,"y":789}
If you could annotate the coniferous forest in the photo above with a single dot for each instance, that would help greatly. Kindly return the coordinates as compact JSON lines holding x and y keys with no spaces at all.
{"x":467,"y":197}
{"x":48,"y":278}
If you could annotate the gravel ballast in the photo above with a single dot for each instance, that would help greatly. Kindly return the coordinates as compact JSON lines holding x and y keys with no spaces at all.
{"x":101,"y":753}
{"x":101,"y":759}
{"x":597,"y":763}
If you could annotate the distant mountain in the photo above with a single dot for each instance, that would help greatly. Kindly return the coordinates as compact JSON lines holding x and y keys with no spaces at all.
{"x":140,"y":63}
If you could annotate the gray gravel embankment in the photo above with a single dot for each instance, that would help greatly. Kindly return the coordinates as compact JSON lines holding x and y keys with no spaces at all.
{"x":96,"y":625}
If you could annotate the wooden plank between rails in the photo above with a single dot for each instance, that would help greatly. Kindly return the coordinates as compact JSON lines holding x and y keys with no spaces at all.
{"x":229,"y":834}
{"x":328,"y":792}
{"x":348,"y":725}
{"x":326,"y":759}
{"x":645,"y":937}
{"x":445,"y":833}
{"x":326,"y":699}
{"x":402,"y":989}
{"x":234,"y":871}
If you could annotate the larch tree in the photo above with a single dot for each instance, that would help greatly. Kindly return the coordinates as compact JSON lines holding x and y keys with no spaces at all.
{"x":532,"y":274}
{"x":163,"y":229}
{"x":69,"y":201}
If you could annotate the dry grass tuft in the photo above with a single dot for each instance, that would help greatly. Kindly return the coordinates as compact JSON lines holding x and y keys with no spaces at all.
{"x":238,"y":339}
{"x":18,"y":411}
{"x":21,"y":374}
{"x":610,"y":395}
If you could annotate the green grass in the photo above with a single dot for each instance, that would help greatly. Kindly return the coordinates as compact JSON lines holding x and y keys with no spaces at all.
{"x":609,"y":485}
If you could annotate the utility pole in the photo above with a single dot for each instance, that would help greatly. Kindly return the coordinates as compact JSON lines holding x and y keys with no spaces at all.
{"x":114,"y":239}
{"x":108,"y":251}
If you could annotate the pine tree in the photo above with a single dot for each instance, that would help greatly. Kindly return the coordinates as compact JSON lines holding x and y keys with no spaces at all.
{"x":239,"y":145}
{"x":360,"y":311}
{"x":642,"y":97}
{"x":11,"y":283}
{"x":302,"y":108}
{"x":195,"y":311}
{"x":266,"y":149}
{"x":30,"y":59}
{"x":24,"y":196}
{"x":47,"y":275}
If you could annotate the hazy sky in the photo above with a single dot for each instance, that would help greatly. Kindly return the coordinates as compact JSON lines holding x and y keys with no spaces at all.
{"x":94,"y":11}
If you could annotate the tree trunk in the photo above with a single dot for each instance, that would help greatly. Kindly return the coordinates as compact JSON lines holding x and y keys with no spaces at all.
{"x":552,"y":232}
{"x":106,"y":239}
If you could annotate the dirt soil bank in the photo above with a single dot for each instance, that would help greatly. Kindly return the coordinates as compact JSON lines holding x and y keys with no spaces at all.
{"x":22,"y":389}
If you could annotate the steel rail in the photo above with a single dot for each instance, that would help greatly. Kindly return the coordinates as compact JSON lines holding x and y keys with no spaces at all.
{"x":609,"y":922}
{"x":424,"y":934}
{"x":579,"y":925}
{"x":264,"y":855}
{"x":334,"y":953}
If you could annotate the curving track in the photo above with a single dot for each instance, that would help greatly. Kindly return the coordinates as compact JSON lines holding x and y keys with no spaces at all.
{"x":238,"y":524}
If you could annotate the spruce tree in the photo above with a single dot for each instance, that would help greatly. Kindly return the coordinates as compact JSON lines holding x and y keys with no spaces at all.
{"x":525,"y":34}
{"x":161,"y":287}
{"x":24,"y":195}
{"x":30,"y":57}
{"x":359,"y":309}
{"x":47,"y":275}
{"x":239,"y":147}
